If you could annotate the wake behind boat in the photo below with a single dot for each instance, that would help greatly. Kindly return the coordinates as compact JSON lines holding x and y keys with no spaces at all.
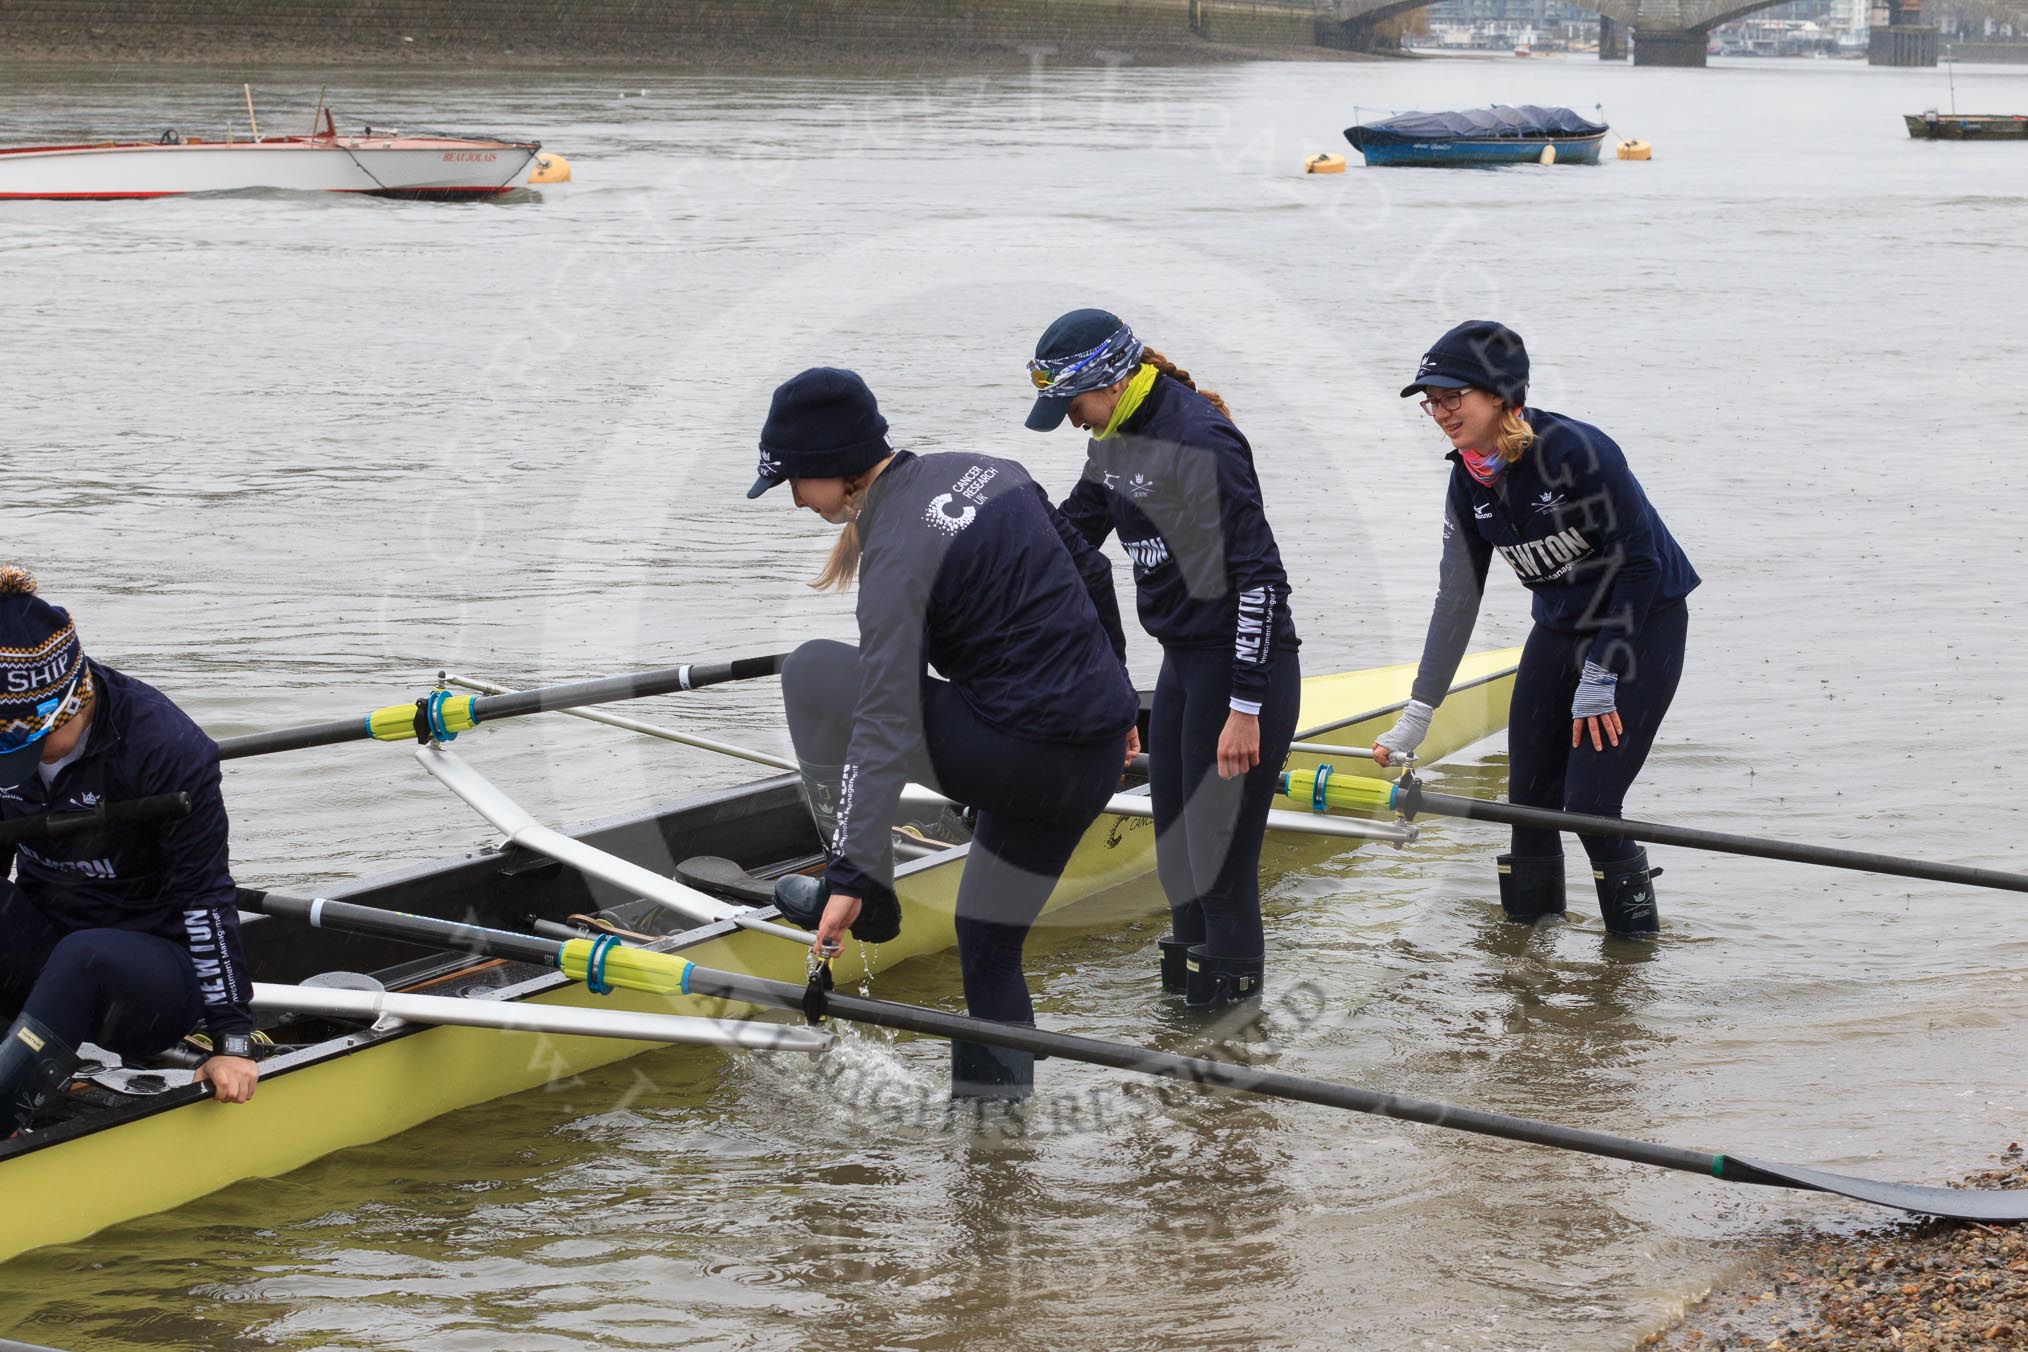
{"x":383,"y":164}
{"x":1479,"y":137}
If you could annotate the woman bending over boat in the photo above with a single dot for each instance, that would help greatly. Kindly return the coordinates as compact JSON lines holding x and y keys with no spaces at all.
{"x":126,"y":936}
{"x":1555,"y":498}
{"x":963,"y":566}
{"x":1170,"y":472}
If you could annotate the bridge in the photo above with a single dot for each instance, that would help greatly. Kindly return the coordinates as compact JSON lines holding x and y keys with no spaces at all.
{"x":1668,"y":32}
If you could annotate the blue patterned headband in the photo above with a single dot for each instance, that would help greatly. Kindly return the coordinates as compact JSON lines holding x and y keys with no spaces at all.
{"x":1067,"y":377}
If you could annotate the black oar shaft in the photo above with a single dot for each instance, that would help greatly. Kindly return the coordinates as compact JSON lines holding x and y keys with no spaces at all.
{"x":488,"y":708}
{"x":132,"y":811}
{"x":1657,"y":833}
{"x":476,"y":939}
{"x":1196,"y":1070}
{"x":422,"y":930}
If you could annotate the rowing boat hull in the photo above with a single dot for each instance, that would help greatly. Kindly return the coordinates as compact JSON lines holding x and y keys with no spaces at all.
{"x":65,"y":1185}
{"x":408,"y":166}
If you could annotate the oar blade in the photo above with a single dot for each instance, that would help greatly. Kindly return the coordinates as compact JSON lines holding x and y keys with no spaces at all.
{"x":1958,"y":1204}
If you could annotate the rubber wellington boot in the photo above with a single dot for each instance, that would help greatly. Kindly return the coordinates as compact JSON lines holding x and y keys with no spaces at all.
{"x":1175,"y":963}
{"x":1626,"y":896}
{"x":801,"y":900}
{"x":995,"y":1073}
{"x":34,"y":1063}
{"x":1531,"y":887}
{"x":1213,"y":983}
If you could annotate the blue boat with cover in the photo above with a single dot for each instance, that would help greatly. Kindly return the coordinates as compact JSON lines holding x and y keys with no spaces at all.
{"x":1480,"y":136}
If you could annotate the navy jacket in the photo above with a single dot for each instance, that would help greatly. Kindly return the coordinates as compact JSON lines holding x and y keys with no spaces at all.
{"x":1571,"y":520}
{"x":1177,"y":482}
{"x":964,"y":566}
{"x":167,"y":878}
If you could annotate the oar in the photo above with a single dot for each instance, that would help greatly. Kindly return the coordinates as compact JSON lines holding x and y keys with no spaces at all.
{"x":521,"y":828}
{"x":603,"y":961}
{"x":524,"y":1016}
{"x":1408,"y":797}
{"x":440,"y":715}
{"x":131,"y":811}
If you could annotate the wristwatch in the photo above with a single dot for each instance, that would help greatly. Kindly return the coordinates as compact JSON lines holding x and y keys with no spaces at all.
{"x":233,"y":1044}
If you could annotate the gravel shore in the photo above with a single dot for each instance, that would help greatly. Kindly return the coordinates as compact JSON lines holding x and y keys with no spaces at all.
{"x":1916,"y":1286}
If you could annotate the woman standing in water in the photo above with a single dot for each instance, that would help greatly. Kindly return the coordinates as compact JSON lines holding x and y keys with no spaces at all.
{"x":1555,"y":498}
{"x":1170,"y":472}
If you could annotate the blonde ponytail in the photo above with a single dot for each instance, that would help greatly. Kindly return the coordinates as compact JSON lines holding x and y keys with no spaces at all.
{"x":843,"y":566}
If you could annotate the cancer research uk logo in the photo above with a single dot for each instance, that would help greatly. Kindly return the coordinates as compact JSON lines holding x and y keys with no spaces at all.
{"x":971,"y":485}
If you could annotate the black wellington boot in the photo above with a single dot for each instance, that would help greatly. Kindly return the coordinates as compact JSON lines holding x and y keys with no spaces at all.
{"x":1531,"y":887}
{"x":994,"y":1073}
{"x":1626,"y":896}
{"x":800,"y":898}
{"x":1213,"y":983}
{"x":34,"y":1063}
{"x":1175,"y":963}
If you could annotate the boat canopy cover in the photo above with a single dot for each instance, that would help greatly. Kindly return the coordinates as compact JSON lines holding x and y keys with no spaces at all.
{"x":1524,"y":122}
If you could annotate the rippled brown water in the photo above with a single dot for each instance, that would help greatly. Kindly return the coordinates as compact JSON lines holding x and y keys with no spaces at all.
{"x":287,"y":457}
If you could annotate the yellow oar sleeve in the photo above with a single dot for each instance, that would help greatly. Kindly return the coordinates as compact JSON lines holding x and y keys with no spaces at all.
{"x":604,"y":963}
{"x":448,"y":716}
{"x":1361,"y":794}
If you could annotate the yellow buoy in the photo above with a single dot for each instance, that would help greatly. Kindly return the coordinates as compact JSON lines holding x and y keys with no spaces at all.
{"x":1324,"y":164}
{"x":550,"y":169}
{"x":1636,"y":150}
{"x":1548,"y":155}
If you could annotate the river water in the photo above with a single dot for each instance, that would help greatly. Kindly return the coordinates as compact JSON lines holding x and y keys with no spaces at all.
{"x":287,"y":457}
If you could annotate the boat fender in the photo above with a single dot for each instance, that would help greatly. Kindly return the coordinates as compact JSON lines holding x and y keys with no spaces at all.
{"x":549,"y":169}
{"x":1548,"y":155}
{"x":1635,"y":150}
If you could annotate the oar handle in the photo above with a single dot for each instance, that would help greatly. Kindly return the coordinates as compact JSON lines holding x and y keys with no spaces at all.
{"x":132,"y":811}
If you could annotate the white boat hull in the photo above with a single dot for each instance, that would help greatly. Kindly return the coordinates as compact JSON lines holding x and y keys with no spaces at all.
{"x":393,"y":166}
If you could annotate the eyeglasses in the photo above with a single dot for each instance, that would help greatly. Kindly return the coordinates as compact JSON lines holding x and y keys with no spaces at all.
{"x":1447,"y":400}
{"x":48,"y":710}
{"x":1047,"y":374}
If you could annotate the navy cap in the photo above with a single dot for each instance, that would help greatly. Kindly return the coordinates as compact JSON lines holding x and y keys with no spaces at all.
{"x":43,"y":680}
{"x":1082,"y":351}
{"x":1479,"y":354}
{"x":822,"y":424}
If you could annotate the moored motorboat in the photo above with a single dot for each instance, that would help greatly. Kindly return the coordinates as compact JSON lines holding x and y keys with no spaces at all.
{"x":1480,"y":137}
{"x":129,"y":1141}
{"x":1936,"y":126}
{"x":386,"y":164}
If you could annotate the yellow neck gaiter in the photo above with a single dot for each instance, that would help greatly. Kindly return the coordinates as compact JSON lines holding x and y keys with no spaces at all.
{"x":1137,"y":389}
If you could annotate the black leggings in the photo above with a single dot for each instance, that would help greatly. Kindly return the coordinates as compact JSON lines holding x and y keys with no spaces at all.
{"x":1035,"y":801}
{"x":1208,"y":830}
{"x":129,"y":992}
{"x":1544,"y":770}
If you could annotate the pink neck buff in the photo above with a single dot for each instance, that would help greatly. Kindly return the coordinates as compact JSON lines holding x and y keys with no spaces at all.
{"x":1486,"y":467}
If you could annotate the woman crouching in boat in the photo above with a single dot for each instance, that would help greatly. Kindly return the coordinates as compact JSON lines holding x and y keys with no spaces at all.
{"x":126,"y":936}
{"x":1555,"y":497}
{"x":1170,"y":472}
{"x":964,"y":566}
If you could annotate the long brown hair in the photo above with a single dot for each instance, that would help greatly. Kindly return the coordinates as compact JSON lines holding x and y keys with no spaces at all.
{"x":843,"y":565}
{"x":1181,"y":376}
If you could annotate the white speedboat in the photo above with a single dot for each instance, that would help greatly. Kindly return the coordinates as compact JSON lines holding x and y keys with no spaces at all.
{"x":387,"y":164}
